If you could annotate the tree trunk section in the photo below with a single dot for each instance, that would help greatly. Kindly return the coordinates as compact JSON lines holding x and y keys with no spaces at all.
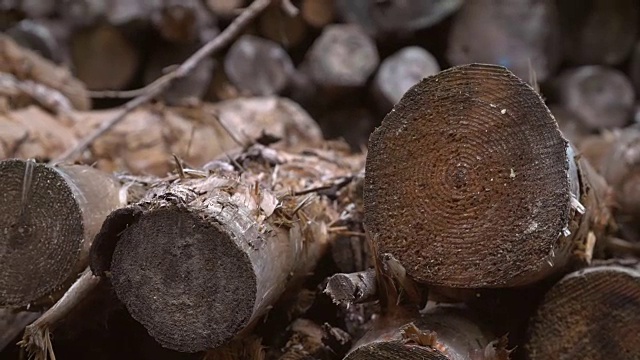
{"x":198,"y":261}
{"x":471,"y":184}
{"x":51,"y":216}
{"x":443,"y":333}
{"x":590,"y":314}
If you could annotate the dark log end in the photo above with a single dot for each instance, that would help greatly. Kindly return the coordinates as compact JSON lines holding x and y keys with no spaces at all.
{"x":105,"y":241}
{"x":184,"y":279}
{"x":484,"y":174}
{"x":41,"y":231}
{"x":389,"y":350}
{"x":590,"y":314}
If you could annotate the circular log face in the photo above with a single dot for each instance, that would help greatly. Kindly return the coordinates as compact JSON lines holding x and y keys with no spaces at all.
{"x":41,"y":231}
{"x":184,"y":279}
{"x":590,"y":314}
{"x":467,"y":179}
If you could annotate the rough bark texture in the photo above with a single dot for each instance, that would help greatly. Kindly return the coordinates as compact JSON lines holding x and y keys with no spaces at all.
{"x":602,"y":97}
{"x":471,"y":184}
{"x":352,"y":288}
{"x":27,"y":65}
{"x":198,"y":261}
{"x":522,"y":36}
{"x":143,"y":144}
{"x":590,"y":314}
{"x":51,"y":215}
{"x":384,"y":18}
{"x":257,"y":66}
{"x":443,"y":333}
{"x":598,"y":31}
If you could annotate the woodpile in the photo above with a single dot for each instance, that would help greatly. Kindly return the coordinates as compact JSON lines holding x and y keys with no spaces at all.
{"x":319,"y":179}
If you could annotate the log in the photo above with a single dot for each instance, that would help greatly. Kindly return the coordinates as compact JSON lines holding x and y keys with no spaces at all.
{"x":35,"y":9}
{"x":143,"y":144}
{"x":395,"y":18}
{"x":318,"y":13}
{"x":352,"y":288}
{"x":602,"y":97}
{"x":282,"y":28}
{"x":225,"y":8}
{"x":25,"y":64}
{"x":471,"y":184}
{"x":37,"y":36}
{"x":401,"y":71}
{"x":199,"y":261}
{"x":51,"y":215}
{"x":258,"y":67}
{"x":183,"y":21}
{"x":590,"y":314}
{"x":80,"y":13}
{"x":342,"y":57}
{"x":443,"y":332}
{"x":103,"y":58}
{"x":522,"y":36}
{"x":598,"y":31}
{"x":185,"y":90}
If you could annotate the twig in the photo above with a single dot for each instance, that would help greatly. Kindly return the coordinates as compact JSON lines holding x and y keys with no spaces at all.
{"x":36,"y":337}
{"x":162,"y":83}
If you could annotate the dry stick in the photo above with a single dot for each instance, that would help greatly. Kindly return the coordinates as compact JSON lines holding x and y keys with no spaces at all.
{"x":590,"y":314}
{"x":51,"y":215}
{"x":443,"y":332}
{"x":352,"y":288}
{"x":158,"y":86}
{"x":37,"y":336}
{"x":198,"y":261}
{"x":491,"y":194}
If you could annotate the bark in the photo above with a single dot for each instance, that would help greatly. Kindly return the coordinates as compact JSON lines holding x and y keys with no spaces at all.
{"x":144,"y":142}
{"x":401,"y":71}
{"x":104,"y":58}
{"x":257,"y":66}
{"x":25,"y":64}
{"x":385,"y":18}
{"x":443,"y":333}
{"x":352,"y":288}
{"x":522,"y":36}
{"x":343,"y":57}
{"x":598,"y":31}
{"x":602,"y":97}
{"x":491,"y":194}
{"x":51,"y":216}
{"x":590,"y":314}
{"x":199,"y":261}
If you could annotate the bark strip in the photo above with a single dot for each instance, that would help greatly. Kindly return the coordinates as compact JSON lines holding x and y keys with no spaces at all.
{"x":51,"y":215}
{"x":199,"y":260}
{"x":471,"y":184}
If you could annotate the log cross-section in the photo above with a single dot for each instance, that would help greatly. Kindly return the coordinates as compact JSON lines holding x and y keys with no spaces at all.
{"x":469,"y":183}
{"x":197,"y":261}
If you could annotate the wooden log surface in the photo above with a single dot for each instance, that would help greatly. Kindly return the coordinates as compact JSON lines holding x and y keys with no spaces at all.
{"x":601,"y":96}
{"x":443,"y":332}
{"x":257,"y":66}
{"x":598,"y":31}
{"x":199,"y":261}
{"x":51,"y":216}
{"x":353,"y":287}
{"x":507,"y":201}
{"x":522,"y":36}
{"x":144,"y":142}
{"x":590,"y":314}
{"x":385,"y":18}
{"x":282,"y":28}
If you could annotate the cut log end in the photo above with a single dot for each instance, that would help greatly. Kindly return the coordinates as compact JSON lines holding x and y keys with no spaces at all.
{"x":389,"y":350}
{"x":37,"y":200}
{"x":590,"y":314}
{"x":484,"y":174}
{"x":182,"y":307}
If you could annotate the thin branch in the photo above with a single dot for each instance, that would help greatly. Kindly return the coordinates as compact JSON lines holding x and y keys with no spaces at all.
{"x":161,"y":84}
